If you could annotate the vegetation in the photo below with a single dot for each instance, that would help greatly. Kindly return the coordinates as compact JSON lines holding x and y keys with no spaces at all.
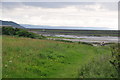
{"x":104,"y":66}
{"x":65,"y":41}
{"x":36,"y":58}
{"x":115,"y":60}
{"x":29,"y":55}
{"x":78,"y":32}
{"x":85,"y":43}
{"x":20,"y":32}
{"x":98,"y":68}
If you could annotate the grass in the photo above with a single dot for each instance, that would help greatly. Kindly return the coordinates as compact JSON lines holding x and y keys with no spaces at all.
{"x":99,"y":68}
{"x":35,"y":58}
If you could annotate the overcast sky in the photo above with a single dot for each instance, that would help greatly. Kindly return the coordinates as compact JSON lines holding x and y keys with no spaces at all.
{"x":72,"y":14}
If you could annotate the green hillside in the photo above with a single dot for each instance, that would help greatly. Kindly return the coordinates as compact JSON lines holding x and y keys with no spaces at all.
{"x":35,"y":58}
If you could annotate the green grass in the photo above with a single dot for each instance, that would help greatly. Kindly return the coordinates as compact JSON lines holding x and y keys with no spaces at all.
{"x":99,"y":67}
{"x":35,"y":58}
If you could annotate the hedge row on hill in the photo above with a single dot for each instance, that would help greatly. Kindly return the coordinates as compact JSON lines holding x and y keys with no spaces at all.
{"x":20,"y":32}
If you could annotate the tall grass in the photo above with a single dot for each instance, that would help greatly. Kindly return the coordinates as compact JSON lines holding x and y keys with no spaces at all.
{"x":35,"y":58}
{"x":115,"y":60}
{"x":100,"y":67}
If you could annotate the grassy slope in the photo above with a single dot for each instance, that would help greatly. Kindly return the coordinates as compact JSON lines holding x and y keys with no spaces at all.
{"x":24,"y":57}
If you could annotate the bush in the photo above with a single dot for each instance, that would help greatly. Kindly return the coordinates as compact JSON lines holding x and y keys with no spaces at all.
{"x":99,"y":67}
{"x":65,"y":41}
{"x":105,"y":66}
{"x":85,"y":43}
{"x":115,"y":60}
{"x":20,"y":32}
{"x":8,"y":31}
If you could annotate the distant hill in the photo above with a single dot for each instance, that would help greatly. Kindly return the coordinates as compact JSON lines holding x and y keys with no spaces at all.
{"x":28,"y":26}
{"x":10,"y":23}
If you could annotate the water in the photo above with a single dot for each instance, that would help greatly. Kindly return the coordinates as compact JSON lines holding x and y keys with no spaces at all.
{"x":91,"y":39}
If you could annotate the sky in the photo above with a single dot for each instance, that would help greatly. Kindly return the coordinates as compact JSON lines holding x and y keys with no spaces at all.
{"x":68,"y":14}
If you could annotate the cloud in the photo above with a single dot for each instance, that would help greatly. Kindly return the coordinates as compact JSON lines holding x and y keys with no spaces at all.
{"x":107,"y":5}
{"x":62,"y":14}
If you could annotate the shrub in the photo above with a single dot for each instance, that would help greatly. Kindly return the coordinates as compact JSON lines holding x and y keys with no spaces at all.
{"x":20,"y":32}
{"x":115,"y":60}
{"x":65,"y":41}
{"x":8,"y":31}
{"x":105,"y":66}
{"x":85,"y":43}
{"x":99,"y":67}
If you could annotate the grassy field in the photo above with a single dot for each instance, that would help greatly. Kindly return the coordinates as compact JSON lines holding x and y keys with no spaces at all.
{"x":35,"y":58}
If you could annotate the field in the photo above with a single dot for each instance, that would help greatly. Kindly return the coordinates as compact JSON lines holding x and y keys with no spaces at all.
{"x":77,"y":32}
{"x":40,"y":58}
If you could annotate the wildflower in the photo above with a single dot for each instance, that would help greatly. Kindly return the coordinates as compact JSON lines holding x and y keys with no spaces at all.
{"x":5,"y":65}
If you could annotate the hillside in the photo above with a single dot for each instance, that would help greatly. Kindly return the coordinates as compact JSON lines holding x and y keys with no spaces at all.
{"x":10,"y":23}
{"x":35,"y":58}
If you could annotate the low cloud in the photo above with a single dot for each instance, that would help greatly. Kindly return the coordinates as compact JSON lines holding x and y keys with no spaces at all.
{"x":76,"y":14}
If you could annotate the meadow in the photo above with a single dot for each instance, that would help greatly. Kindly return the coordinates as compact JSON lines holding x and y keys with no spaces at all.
{"x":41,"y":58}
